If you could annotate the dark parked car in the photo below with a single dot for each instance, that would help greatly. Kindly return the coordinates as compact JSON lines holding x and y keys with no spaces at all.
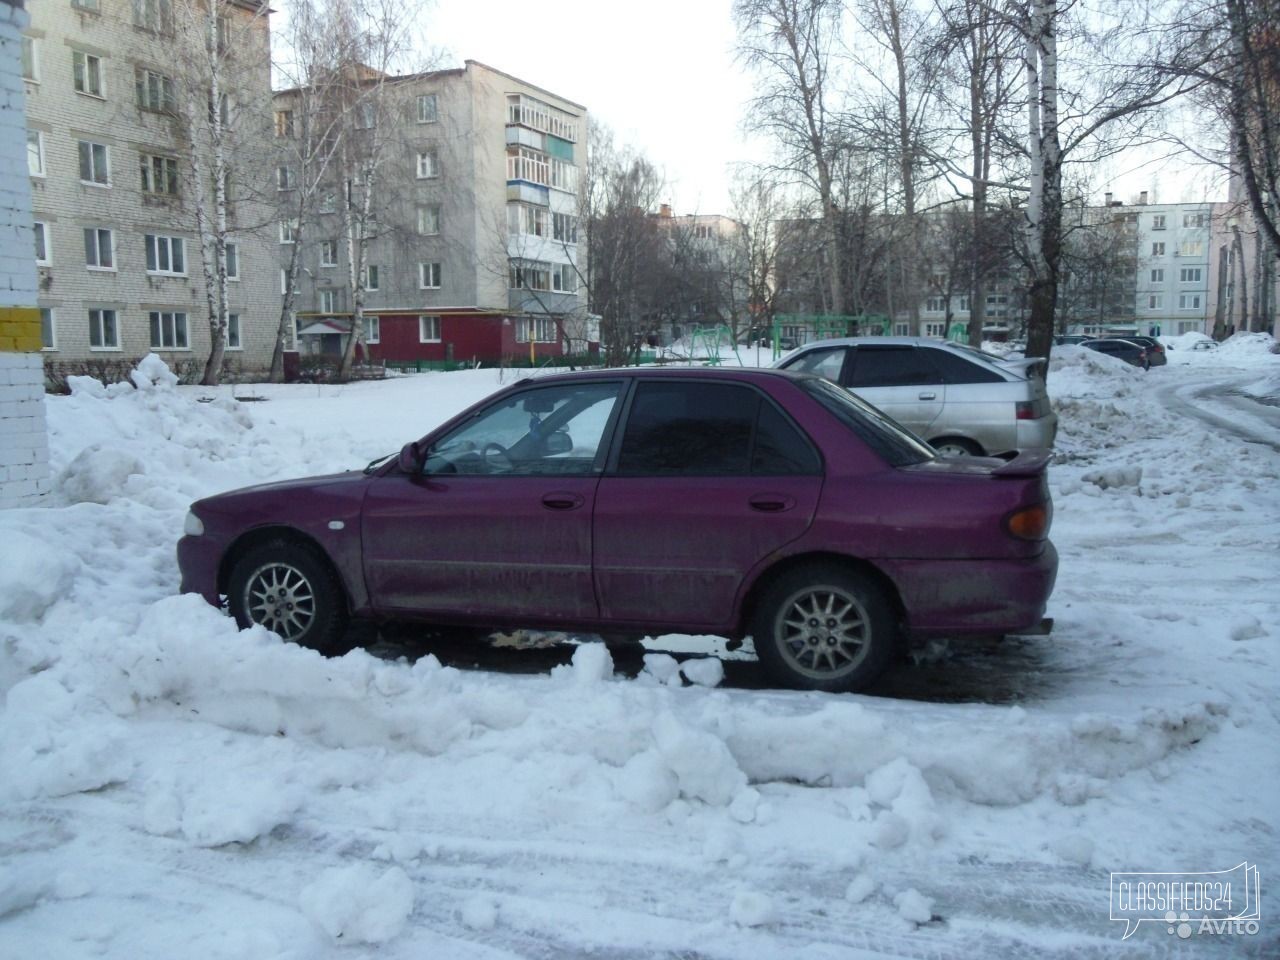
{"x":1062,"y":339}
{"x":963,"y":401}
{"x":725,"y":502}
{"x":1125,"y":350}
{"x":1155,"y":349}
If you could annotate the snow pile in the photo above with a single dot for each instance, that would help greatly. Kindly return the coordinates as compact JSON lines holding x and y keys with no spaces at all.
{"x":1243,"y":346}
{"x":360,"y":903}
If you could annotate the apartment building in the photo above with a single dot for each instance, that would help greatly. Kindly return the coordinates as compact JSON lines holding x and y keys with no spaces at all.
{"x":472,"y":252}
{"x":111,"y":168}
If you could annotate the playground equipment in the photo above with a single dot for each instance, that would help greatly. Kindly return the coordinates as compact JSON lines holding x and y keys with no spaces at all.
{"x":801,"y":328}
{"x":711,"y":340}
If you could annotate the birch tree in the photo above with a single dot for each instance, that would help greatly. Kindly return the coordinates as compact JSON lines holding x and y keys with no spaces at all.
{"x":206,"y":33}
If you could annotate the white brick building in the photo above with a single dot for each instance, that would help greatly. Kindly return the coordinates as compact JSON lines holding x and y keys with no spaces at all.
{"x":24,"y":444}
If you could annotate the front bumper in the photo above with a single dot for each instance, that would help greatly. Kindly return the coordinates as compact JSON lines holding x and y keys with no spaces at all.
{"x":198,"y":563}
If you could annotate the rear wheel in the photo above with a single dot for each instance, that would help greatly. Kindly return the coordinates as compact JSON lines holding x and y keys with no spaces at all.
{"x":824,"y":628}
{"x":292,"y":591}
{"x":956,"y":447}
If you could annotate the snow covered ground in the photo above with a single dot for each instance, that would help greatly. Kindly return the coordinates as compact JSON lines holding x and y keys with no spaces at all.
{"x":171,"y":787}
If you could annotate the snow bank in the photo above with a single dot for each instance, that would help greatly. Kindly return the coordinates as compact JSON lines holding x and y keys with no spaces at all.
{"x":360,"y":903}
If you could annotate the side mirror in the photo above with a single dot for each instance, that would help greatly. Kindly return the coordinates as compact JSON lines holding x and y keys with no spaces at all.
{"x":410,"y":459}
{"x":558,"y":442}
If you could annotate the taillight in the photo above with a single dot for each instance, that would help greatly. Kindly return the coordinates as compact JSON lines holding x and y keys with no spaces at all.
{"x":1025,"y":410}
{"x":1030,"y":523}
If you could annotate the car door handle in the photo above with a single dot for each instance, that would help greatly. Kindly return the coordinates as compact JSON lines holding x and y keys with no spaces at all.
{"x":928,"y":396}
{"x":562,"y":501}
{"x":771,"y":502}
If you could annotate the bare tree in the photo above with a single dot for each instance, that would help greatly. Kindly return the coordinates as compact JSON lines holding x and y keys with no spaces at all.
{"x":627,"y":252}
{"x":206,"y":34}
{"x":759,"y":207}
{"x":789,"y":44}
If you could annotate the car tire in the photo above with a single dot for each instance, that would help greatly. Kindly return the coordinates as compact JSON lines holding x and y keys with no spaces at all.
{"x":853,"y":629}
{"x":956,"y":447}
{"x":291,"y":589}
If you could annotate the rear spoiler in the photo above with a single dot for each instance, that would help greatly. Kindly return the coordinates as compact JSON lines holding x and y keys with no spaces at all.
{"x":1028,"y":463}
{"x":1026,"y":364}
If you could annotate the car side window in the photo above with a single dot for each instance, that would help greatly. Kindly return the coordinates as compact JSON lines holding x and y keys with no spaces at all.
{"x":709,"y":429}
{"x":552,"y":430}
{"x":826,"y":363}
{"x":891,"y":367}
{"x":956,"y":369}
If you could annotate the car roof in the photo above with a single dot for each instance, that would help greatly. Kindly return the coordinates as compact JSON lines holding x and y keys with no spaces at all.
{"x":649,"y":372}
{"x":882,"y":341}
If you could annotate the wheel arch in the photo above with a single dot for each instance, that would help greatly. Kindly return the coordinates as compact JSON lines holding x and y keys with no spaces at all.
{"x":973,"y":446}
{"x":818,"y":559}
{"x":258,"y":536}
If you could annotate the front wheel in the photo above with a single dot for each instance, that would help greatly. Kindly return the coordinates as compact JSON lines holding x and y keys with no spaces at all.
{"x":822,"y":628}
{"x":956,"y":447}
{"x":287,"y":588}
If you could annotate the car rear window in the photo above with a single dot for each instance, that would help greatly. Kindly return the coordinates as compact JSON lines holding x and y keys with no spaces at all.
{"x":894,"y":445}
{"x":964,"y":369}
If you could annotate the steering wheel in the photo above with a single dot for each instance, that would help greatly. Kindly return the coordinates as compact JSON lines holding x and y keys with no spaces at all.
{"x":496,"y":458}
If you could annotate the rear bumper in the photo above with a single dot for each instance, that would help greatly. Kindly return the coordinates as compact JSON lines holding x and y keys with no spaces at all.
{"x":957,"y":597}
{"x":1037,"y":433}
{"x":198,"y":563}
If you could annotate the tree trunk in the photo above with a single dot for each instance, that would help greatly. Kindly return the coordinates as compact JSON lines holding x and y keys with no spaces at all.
{"x":1046,"y":178}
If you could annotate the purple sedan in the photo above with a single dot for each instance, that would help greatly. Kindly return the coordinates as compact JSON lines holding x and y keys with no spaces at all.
{"x":707,"y":501}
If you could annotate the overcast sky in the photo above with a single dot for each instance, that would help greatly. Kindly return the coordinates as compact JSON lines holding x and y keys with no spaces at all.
{"x":664,"y":76}
{"x":661,"y":74}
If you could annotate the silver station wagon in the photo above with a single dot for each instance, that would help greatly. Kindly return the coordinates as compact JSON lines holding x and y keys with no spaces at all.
{"x":961,"y":400}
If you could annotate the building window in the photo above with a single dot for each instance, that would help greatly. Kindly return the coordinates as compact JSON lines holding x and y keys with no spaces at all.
{"x":1191,"y":275}
{"x":284,"y":123}
{"x":99,"y":249}
{"x":48,"y":330}
{"x":523,"y":218}
{"x":90,"y":5}
{"x":284,"y":282}
{"x":371,"y":277}
{"x":288,"y":231}
{"x":1191,"y":248}
{"x":41,"y":231}
{"x":159,"y":175}
{"x":564,"y":176}
{"x":168,"y":330}
{"x":530,"y":275}
{"x":429,"y":220}
{"x":1155,"y":302}
{"x":166,"y":255}
{"x":1195,"y":219}
{"x":935,"y":304}
{"x":233,"y":332}
{"x":103,"y":332}
{"x":284,"y":177}
{"x":328,"y":301}
{"x":1157,"y":221}
{"x":366,"y":115}
{"x":1157,"y":249}
{"x":428,"y":329}
{"x":35,"y":153}
{"x":372,"y":330}
{"x":564,"y":278}
{"x":86,"y":73}
{"x":155,"y":91}
{"x":935,"y":329}
{"x":526,"y":164}
{"x":428,"y":164}
{"x":152,"y":15}
{"x":902,"y":329}
{"x":30,"y":60}
{"x":95,"y":164}
{"x":429,"y":276}
{"x":564,"y":227}
{"x":427,"y":112}
{"x":539,"y":329}
{"x":233,"y":261}
{"x":1189,"y":301}
{"x":328,"y":253}
{"x":1157,"y":276}
{"x":328,"y":204}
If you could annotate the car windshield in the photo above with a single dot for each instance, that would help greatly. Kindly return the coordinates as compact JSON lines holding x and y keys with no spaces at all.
{"x":886,"y":437}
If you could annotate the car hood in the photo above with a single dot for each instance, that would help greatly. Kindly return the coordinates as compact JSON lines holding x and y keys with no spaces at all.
{"x":283,"y":489}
